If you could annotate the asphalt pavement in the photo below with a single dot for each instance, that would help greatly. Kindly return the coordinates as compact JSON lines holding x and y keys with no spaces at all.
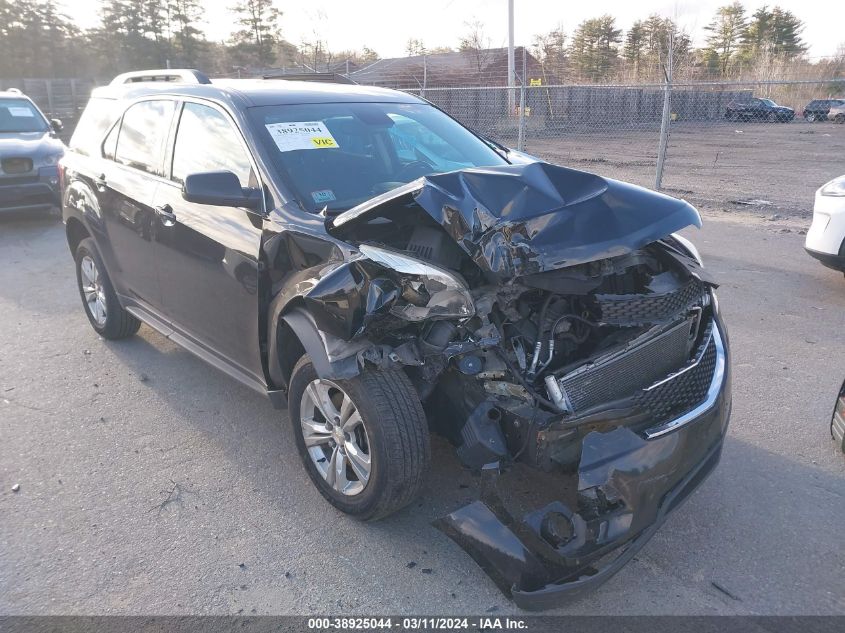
{"x":150,"y":483}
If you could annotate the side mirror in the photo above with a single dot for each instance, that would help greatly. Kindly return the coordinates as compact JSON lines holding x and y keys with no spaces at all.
{"x":57,"y":125}
{"x":219,"y":188}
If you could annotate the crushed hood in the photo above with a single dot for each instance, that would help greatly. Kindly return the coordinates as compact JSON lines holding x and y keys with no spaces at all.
{"x":523,"y":219}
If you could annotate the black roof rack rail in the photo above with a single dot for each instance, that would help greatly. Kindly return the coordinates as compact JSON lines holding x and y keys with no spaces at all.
{"x":177,"y":75}
{"x":332,"y":78}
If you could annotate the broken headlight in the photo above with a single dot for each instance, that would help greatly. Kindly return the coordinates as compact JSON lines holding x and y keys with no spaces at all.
{"x":427,"y":292}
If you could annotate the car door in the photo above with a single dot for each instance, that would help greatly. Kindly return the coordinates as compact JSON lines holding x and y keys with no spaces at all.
{"x":130,"y":173}
{"x":209,"y":255}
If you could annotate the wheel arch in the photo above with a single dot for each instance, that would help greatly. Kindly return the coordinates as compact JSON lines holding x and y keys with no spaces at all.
{"x":75,"y":232}
{"x":294,"y":333}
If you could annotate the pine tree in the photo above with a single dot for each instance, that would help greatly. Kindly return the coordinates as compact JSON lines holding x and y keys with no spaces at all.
{"x":726,"y":33}
{"x":183,"y":15}
{"x":593,"y":52}
{"x":260,"y":34}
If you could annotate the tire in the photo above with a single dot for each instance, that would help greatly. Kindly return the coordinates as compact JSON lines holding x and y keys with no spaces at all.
{"x":773,"y":117}
{"x":104,"y":312}
{"x":839,"y":118}
{"x":811,"y":118}
{"x":394,"y":439}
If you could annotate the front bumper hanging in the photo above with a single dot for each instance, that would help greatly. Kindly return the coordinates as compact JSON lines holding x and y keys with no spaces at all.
{"x":628,"y":482}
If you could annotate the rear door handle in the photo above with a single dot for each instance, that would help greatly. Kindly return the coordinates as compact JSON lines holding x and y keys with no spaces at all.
{"x":165,"y":212}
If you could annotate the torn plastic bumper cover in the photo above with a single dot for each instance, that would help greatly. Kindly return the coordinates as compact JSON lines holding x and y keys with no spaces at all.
{"x":627,"y":485}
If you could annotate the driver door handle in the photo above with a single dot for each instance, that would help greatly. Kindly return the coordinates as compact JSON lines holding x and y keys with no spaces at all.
{"x":165,"y":212}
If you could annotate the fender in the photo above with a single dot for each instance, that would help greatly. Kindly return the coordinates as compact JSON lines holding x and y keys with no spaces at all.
{"x":299,"y":324}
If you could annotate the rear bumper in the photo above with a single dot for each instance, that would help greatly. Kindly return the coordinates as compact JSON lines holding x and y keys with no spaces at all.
{"x":628,"y":483}
{"x":30,"y":193}
{"x":836,"y":262}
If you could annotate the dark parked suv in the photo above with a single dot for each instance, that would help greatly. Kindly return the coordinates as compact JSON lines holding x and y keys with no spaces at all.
{"x":755,"y":109}
{"x":363,"y":259}
{"x":818,"y":109}
{"x":29,"y":155}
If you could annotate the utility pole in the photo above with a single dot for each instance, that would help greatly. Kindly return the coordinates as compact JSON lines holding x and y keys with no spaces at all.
{"x":511,"y":64}
{"x":667,"y":114}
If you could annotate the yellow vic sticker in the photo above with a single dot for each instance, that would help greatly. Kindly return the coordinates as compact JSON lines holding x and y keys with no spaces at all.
{"x":323,"y":141}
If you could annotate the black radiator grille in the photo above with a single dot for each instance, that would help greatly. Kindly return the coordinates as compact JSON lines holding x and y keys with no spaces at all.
{"x":619,"y":375}
{"x":651,"y":308}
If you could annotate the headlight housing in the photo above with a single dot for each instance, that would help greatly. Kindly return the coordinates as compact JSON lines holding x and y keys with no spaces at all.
{"x":429,"y":292}
{"x":835,"y":187}
{"x":48,"y":160}
{"x":691,"y":248}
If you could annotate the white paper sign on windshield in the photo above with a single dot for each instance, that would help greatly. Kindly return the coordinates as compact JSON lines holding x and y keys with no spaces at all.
{"x":301,"y":135}
{"x":20,"y":111}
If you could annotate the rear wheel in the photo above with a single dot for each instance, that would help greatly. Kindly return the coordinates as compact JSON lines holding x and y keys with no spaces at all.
{"x":104,"y":311}
{"x":364,"y":441}
{"x":839,"y":118}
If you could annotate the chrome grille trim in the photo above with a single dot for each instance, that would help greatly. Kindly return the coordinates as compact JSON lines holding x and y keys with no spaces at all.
{"x":708,"y":403}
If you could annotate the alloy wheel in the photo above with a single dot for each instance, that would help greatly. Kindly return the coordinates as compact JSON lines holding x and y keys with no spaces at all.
{"x":335,"y":437}
{"x":93,"y":291}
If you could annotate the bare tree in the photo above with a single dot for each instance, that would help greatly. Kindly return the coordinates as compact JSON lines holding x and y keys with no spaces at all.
{"x":476,"y":42}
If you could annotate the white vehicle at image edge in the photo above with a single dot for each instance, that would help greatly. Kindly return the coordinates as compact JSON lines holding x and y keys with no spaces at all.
{"x":826,"y":237}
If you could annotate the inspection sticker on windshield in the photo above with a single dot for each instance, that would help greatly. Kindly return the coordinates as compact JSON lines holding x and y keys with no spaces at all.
{"x":301,"y":135}
{"x":323,"y":195}
{"x":20,"y":111}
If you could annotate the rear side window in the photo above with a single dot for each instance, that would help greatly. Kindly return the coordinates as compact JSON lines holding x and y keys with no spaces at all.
{"x":99,"y":114}
{"x":143,"y":134}
{"x":207,"y":141}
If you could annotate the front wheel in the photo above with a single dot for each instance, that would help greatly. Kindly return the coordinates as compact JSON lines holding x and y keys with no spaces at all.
{"x":364,"y":441}
{"x":101,"y":305}
{"x":810,"y":117}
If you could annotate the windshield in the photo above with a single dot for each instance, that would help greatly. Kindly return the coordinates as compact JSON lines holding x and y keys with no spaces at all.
{"x":19,"y":115}
{"x":768,"y":102}
{"x":337,"y":155}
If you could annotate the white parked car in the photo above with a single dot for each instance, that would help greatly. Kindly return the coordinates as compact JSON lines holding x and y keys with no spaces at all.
{"x":826,"y":237}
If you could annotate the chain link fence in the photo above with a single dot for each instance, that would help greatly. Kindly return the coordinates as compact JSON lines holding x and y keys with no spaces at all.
{"x":722,"y":147}
{"x":725,"y":143}
{"x":57,"y":98}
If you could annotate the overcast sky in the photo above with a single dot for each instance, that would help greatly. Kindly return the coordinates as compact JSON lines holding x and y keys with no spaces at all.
{"x":386,"y":25}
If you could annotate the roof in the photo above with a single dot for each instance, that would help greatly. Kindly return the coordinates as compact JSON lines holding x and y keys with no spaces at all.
{"x":260,"y":92}
{"x":13,"y":94}
{"x":487,"y":67}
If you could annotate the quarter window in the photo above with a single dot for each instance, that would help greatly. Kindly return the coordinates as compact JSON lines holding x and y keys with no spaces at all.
{"x":207,"y":141}
{"x":143,"y":135}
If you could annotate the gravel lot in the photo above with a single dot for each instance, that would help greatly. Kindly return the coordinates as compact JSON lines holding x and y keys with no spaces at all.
{"x":152,"y":484}
{"x":713,"y":164}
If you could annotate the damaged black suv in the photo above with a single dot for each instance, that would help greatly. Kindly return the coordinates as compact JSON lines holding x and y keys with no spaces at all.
{"x":384,"y":272}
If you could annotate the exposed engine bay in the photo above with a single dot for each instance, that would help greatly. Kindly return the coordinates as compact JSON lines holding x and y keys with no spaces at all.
{"x":551,"y":319}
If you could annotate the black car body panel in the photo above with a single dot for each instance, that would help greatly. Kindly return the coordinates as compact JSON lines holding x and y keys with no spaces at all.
{"x":819,"y":109}
{"x":756,"y":109}
{"x":29,"y":177}
{"x":532,"y":218}
{"x":549,"y":319}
